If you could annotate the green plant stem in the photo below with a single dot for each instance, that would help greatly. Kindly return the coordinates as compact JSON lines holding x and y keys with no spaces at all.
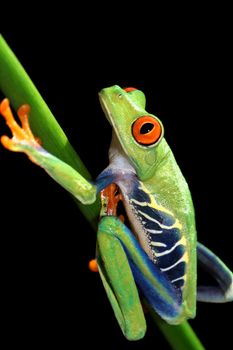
{"x":18,"y":87}
{"x":180,"y":337}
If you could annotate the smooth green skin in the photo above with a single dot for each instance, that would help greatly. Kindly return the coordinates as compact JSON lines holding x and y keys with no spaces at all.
{"x":157,"y":169}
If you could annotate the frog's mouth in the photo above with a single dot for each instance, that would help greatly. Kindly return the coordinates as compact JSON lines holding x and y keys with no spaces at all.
{"x":105,"y":108}
{"x":109,"y":116}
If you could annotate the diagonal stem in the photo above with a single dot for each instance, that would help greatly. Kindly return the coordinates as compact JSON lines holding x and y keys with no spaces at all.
{"x":180,"y":337}
{"x":18,"y":87}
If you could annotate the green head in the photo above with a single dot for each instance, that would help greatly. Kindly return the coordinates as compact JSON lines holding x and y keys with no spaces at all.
{"x":139,"y":132}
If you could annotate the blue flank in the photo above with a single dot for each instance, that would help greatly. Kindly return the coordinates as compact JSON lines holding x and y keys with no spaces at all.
{"x":137,"y":193}
{"x":171,"y":258}
{"x":160,"y":216}
{"x":155,"y":219}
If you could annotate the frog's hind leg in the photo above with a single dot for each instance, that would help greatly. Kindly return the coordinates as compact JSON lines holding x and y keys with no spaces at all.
{"x":118,"y":281}
{"x":217,"y":269}
{"x":124,"y":266}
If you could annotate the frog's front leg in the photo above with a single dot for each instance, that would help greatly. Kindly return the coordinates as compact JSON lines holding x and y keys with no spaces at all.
{"x":215,"y":267}
{"x":24,"y":141}
{"x":122,"y":262}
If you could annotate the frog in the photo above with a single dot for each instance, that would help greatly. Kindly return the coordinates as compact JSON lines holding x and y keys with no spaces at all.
{"x":148,"y":253}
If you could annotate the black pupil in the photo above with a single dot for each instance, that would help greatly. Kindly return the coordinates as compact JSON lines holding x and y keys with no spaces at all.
{"x":147,"y":127}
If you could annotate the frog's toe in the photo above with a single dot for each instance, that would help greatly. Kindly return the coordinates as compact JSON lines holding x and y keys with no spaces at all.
{"x":8,"y":143}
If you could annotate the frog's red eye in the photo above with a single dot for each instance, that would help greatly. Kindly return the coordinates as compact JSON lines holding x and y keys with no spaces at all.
{"x":129,"y":89}
{"x":146,"y":130}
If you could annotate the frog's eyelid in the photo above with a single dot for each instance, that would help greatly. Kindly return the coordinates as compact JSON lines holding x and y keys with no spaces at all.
{"x":129,"y":89}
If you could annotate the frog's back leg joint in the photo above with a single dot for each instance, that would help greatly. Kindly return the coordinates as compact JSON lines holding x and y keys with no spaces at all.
{"x":216,"y":268}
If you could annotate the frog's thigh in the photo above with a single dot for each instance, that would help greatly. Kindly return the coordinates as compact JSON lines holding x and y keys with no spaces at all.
{"x":122,"y":261}
{"x":119,"y":283}
{"x":217,"y":269}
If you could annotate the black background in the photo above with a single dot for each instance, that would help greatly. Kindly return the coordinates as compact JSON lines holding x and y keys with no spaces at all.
{"x":49,"y":296}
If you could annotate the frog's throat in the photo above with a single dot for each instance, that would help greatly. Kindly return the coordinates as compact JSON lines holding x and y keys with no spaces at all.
{"x":117,"y":157}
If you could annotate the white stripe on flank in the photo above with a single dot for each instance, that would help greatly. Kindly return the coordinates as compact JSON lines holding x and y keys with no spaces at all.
{"x":158,"y":244}
{"x":154,"y":231}
{"x":157,"y":222}
{"x":142,"y":204}
{"x":177,"y":279}
{"x":171,"y":267}
{"x":169,"y":250}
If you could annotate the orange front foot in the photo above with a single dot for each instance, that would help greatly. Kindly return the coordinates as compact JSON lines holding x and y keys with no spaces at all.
{"x":22,"y":135}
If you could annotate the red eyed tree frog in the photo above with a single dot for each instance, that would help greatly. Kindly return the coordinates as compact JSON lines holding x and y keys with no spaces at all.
{"x":154,"y":255}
